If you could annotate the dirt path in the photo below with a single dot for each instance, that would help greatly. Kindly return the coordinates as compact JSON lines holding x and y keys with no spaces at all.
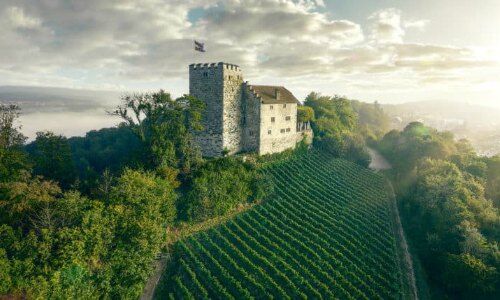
{"x":407,"y":267}
{"x":379,"y":163}
{"x":149,"y":288}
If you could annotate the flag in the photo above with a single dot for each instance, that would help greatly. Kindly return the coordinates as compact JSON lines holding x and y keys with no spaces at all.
{"x":199,"y":46}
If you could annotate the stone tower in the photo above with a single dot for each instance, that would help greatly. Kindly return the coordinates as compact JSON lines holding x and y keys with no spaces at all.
{"x":219,"y":86}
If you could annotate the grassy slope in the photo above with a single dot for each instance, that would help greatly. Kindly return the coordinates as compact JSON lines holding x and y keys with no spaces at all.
{"x":327,"y":231}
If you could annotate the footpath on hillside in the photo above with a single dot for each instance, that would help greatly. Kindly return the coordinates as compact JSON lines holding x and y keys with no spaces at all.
{"x":379,"y":163}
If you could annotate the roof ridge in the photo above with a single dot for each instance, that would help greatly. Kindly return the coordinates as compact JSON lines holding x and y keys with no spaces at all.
{"x":266,"y":93}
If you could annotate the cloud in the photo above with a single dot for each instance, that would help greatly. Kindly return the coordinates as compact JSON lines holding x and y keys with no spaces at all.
{"x":386,"y":26}
{"x":250,"y":22}
{"x":417,"y":24}
{"x":116,"y":44}
{"x":19,"y":19}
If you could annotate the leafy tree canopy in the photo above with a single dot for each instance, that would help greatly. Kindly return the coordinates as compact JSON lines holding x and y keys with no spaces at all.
{"x":335,"y":127}
{"x":52,"y":158}
{"x":166,"y":126}
{"x":12,"y":157}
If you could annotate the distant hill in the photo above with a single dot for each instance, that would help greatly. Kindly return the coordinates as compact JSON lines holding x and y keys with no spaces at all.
{"x":479,"y":124}
{"x":71,"y":112}
{"x":49,"y":99}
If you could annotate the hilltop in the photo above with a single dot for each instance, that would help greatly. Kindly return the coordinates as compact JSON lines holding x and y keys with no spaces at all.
{"x":477,"y":123}
{"x":327,"y":231}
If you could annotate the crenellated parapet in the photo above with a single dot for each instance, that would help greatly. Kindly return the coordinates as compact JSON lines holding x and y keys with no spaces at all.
{"x":219,"y":65}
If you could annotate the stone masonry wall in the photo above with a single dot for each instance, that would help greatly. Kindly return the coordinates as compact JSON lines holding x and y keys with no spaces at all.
{"x":277,"y":134}
{"x":234,"y":118}
{"x":205,"y":83}
{"x":232,"y":137}
{"x":251,"y":124}
{"x":219,"y":86}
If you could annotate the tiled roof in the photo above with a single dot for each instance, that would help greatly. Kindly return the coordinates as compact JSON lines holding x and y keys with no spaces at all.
{"x":268,"y":94}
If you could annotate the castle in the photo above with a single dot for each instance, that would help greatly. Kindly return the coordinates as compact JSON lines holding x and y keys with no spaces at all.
{"x":240,"y":117}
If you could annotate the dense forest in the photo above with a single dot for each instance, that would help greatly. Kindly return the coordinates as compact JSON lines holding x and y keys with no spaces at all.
{"x":449,"y":201}
{"x":85,"y":217}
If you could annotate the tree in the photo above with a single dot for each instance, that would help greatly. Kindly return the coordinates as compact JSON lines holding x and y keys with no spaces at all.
{"x":335,"y":127}
{"x":304,"y":114}
{"x":469,"y":277}
{"x":24,"y":199}
{"x":112,"y":149}
{"x":12,"y":157}
{"x":406,"y":149}
{"x":166,"y":126}
{"x":52,"y":158}
{"x":142,"y":205}
{"x":5,"y":279}
{"x":220,"y":186}
{"x":373,"y":121}
{"x":493,"y":179}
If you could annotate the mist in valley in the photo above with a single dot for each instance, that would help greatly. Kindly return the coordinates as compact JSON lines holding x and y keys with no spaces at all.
{"x":73,"y":112}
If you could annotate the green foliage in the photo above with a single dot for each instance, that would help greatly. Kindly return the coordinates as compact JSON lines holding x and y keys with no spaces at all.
{"x":165,"y":126}
{"x":61,"y":245}
{"x":26,"y":203}
{"x":5,"y":280}
{"x":221,"y":185}
{"x":469,"y":275}
{"x":110,"y":149}
{"x":324,"y":233}
{"x":493,"y":179}
{"x":407,"y":148}
{"x":304,"y":114}
{"x":52,"y":159}
{"x":373,"y":121}
{"x":142,"y":205}
{"x":453,"y":224}
{"x":336,"y":128}
{"x":12,"y":157}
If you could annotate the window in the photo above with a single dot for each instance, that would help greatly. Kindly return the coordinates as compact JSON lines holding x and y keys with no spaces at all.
{"x":282,"y":130}
{"x":251,"y":132}
{"x":288,"y":118}
{"x":205,"y":74}
{"x":272,"y":119}
{"x":288,"y":130}
{"x":271,"y":107}
{"x":284,"y":105}
{"x":269,"y":131}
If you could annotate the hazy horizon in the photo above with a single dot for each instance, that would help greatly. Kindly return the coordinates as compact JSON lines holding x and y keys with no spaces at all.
{"x":73,"y":112}
{"x":67,"y":62}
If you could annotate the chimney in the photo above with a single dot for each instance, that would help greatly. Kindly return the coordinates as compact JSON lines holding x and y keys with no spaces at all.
{"x":277,"y":94}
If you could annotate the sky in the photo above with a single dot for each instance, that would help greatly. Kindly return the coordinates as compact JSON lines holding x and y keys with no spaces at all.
{"x":384,"y":50}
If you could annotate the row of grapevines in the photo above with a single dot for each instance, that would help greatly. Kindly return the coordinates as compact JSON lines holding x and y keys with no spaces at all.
{"x":326,"y":232}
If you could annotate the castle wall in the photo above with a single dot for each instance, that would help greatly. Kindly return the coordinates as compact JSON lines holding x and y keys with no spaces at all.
{"x":277,"y":134}
{"x":219,"y":86}
{"x":235,"y":119}
{"x":232,"y":137}
{"x":205,"y":83}
{"x":251,"y":124}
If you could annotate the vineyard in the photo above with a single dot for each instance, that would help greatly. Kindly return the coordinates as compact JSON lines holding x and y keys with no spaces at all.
{"x":326,"y":232}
